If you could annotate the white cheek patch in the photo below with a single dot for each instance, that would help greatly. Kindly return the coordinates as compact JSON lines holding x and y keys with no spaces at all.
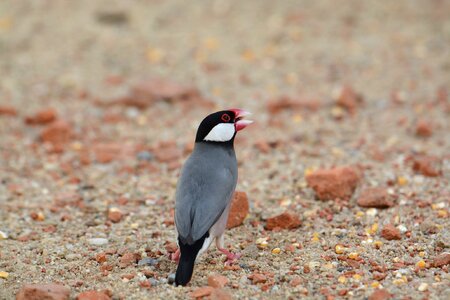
{"x":222,"y":132}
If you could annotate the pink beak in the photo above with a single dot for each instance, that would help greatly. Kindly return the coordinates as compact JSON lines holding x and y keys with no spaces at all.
{"x":239,"y":115}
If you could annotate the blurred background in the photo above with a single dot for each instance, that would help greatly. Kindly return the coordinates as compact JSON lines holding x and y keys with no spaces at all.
{"x":100,"y":101}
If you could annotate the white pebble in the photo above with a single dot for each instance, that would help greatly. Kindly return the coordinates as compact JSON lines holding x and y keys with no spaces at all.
{"x":402,"y":228}
{"x":3,"y":235}
{"x":98,"y":241}
{"x":423,"y":287}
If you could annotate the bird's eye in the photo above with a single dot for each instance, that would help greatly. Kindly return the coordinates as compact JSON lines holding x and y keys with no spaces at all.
{"x":225,"y":118}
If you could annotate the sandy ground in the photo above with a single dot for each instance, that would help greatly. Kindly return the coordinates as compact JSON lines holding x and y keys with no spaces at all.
{"x":79,"y":57}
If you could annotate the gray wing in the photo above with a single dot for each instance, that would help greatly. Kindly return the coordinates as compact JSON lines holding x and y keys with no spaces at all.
{"x":203,"y":192}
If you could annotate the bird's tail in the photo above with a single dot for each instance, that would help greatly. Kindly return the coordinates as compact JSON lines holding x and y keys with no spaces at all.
{"x":187,"y":259}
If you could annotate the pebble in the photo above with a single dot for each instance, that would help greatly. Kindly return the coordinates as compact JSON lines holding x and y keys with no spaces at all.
{"x":147,"y":261}
{"x":145,"y":155}
{"x":3,"y":235}
{"x":4,"y":274}
{"x":171,"y":278}
{"x":423,"y":287}
{"x":98,"y":241}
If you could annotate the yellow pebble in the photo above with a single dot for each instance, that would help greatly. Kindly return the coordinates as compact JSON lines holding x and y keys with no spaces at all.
{"x":4,"y":275}
{"x":360,"y":214}
{"x":421,"y":264}
{"x":339,"y":249}
{"x":357,"y":277}
{"x":402,"y":180}
{"x":276,"y":251}
{"x":421,"y":253}
{"x":442,"y":213}
{"x":377,"y":244}
{"x":342,"y":279}
{"x":353,"y":255}
{"x":315,"y":237}
{"x":375,"y":284}
{"x":308,"y":171}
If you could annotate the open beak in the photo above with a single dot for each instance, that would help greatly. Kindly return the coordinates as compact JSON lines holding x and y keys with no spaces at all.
{"x":240,"y":114}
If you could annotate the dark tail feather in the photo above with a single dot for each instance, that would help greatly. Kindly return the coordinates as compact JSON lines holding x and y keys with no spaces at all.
{"x":185,"y":269}
{"x":187,"y":260}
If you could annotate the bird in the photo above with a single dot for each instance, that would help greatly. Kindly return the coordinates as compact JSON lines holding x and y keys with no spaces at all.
{"x":205,"y":190}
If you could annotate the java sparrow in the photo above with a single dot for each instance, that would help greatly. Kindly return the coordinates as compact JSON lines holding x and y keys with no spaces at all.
{"x":205,"y":190}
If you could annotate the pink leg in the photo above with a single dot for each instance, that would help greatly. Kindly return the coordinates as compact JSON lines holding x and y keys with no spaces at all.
{"x":231,"y":257}
{"x":175,"y":256}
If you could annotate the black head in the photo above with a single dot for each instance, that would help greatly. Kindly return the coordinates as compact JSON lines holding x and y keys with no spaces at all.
{"x":222,"y":126}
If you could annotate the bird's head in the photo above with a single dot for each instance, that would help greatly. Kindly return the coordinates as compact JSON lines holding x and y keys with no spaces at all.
{"x":222,"y":126}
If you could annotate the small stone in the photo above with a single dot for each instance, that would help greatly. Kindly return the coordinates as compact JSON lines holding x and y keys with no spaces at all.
{"x":148,"y":261}
{"x":427,"y":166}
{"x":100,"y":257}
{"x":3,"y":235}
{"x":93,"y":295}
{"x":421,"y":264}
{"x":374,"y":197}
{"x":8,"y":111}
{"x":424,"y":128}
{"x":43,"y":291}
{"x":171,"y":278}
{"x":339,"y":249}
{"x":348,"y":99}
{"x":258,"y":278}
{"x":389,"y":232}
{"x":202,"y":292}
{"x":296,"y":281}
{"x":98,"y":241}
{"x":145,"y":155}
{"x":217,"y":281}
{"x":57,"y":133}
{"x":127,"y":260}
{"x":238,"y":210}
{"x":423,"y":287}
{"x":115,"y":215}
{"x":284,"y":221}
{"x":276,"y":251}
{"x":45,"y":116}
{"x":380,"y":294}
{"x":441,"y":260}
{"x":334,"y":183}
{"x":4,"y":274}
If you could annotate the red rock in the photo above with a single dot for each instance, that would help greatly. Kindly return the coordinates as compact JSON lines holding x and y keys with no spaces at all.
{"x":380,"y":294}
{"x":127,"y":260}
{"x":284,"y":221}
{"x":58,"y":133}
{"x":424,"y":128}
{"x":42,"y":117}
{"x":115,"y":215}
{"x":100,"y":257}
{"x":334,"y":183}
{"x":217,"y":281}
{"x":238,"y":210}
{"x":427,"y":166}
{"x":258,"y":278}
{"x":220,"y":294}
{"x":349,"y":99}
{"x":202,"y":292}
{"x":8,"y":111}
{"x":171,"y":247}
{"x":146,"y":284}
{"x":296,"y":281}
{"x":441,"y":260}
{"x":93,"y":295}
{"x":43,"y":292}
{"x":374,"y":197}
{"x":389,"y":232}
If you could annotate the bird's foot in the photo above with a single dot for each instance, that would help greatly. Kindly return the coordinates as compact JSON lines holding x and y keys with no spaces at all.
{"x":175,"y":256}
{"x":231,"y":257}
